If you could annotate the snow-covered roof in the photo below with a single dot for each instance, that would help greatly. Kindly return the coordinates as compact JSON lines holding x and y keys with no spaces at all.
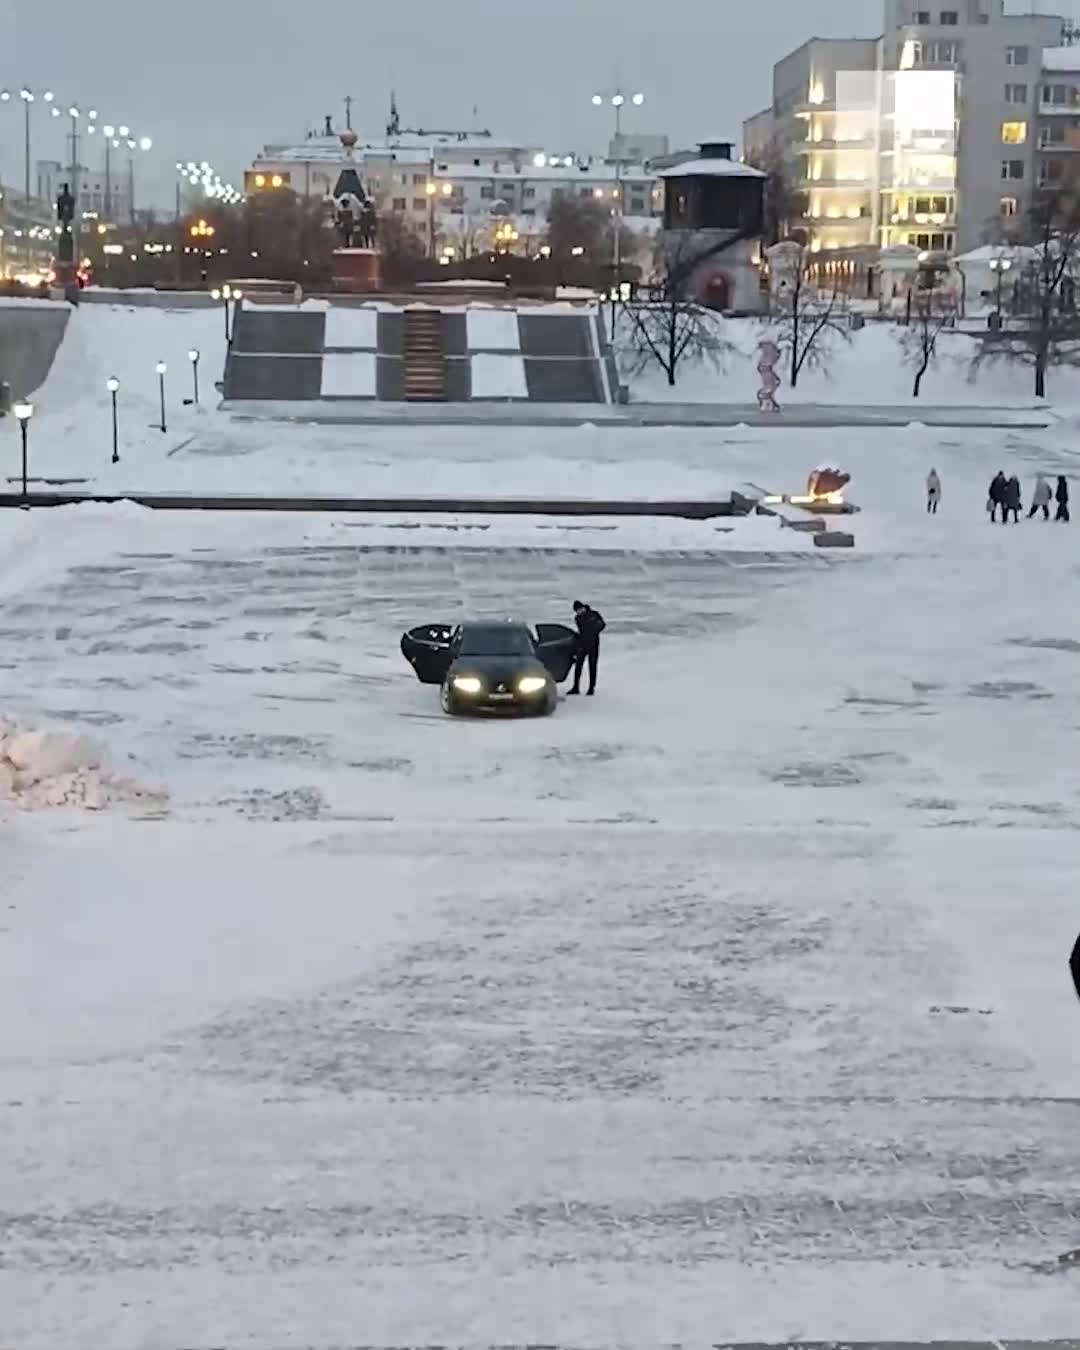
{"x":597,"y":172}
{"x":1061,"y":59}
{"x":988,"y":252}
{"x":712,"y":168}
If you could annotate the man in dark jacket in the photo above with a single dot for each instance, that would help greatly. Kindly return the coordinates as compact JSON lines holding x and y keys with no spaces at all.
{"x":590,"y":624}
{"x":1014,"y":503}
{"x":996,"y":495}
{"x":1062,"y":496}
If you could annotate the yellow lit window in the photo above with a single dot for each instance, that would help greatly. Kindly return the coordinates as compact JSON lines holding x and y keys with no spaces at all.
{"x":1013,"y":133}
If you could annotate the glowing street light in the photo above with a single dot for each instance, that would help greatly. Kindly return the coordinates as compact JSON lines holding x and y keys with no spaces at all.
{"x":193,"y":357}
{"x":23,"y":411}
{"x":161,"y":369}
{"x":618,"y":101}
{"x":112,"y":384}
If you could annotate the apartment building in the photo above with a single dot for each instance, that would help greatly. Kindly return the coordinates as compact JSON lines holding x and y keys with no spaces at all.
{"x":923,"y":136}
{"x":1056,"y":117}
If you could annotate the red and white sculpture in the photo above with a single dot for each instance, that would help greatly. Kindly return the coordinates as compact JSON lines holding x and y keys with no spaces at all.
{"x":768,"y":356}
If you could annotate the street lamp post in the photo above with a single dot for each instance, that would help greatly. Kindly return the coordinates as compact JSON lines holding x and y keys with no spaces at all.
{"x":112,"y":384}
{"x":618,"y":101}
{"x":193,"y":357}
{"x":161,"y":369}
{"x":225,"y":295}
{"x":999,"y":266}
{"x":23,"y":411}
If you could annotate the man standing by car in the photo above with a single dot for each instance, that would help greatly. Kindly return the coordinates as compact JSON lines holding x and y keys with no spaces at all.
{"x":590,"y":624}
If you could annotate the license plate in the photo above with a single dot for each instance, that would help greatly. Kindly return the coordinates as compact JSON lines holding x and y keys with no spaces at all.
{"x":501,"y":698}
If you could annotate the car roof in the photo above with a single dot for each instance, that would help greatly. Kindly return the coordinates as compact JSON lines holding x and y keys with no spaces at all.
{"x":510,"y":626}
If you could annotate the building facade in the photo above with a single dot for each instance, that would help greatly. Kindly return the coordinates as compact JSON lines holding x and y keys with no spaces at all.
{"x":98,"y":197}
{"x":925,"y":136}
{"x":456,"y":189}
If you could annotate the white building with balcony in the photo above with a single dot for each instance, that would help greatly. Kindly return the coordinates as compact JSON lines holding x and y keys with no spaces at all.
{"x":925,"y":136}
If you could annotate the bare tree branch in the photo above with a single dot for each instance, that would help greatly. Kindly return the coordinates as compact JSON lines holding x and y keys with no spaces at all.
{"x":932,"y":312}
{"x":806,"y":327}
{"x":671,"y":326}
{"x":1048,"y":335}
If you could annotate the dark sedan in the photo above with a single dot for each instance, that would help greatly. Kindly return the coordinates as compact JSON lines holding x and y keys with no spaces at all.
{"x":493,"y":667}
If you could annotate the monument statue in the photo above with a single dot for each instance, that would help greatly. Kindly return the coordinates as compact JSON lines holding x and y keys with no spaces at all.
{"x":351,"y":214}
{"x":353,"y":209}
{"x":65,"y":214}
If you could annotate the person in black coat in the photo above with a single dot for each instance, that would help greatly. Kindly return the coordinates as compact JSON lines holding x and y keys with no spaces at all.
{"x":590,"y":624}
{"x":1062,"y":496}
{"x":1074,"y":965}
{"x":1013,"y":501}
{"x":996,"y":495}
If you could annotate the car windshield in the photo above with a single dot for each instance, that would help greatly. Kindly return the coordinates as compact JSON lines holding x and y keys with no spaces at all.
{"x":508,"y":640}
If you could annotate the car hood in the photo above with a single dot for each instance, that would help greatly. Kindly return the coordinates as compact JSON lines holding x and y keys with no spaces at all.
{"x":498,"y":669}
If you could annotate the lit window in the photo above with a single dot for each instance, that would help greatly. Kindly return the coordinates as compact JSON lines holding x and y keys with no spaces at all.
{"x":1013,"y":133}
{"x":1009,"y":206}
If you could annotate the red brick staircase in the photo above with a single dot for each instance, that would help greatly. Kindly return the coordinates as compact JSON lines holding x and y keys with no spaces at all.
{"x":425,"y":357}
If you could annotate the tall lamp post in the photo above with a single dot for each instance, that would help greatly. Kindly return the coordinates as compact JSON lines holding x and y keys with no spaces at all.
{"x":161,"y":369}
{"x":227,"y":294}
{"x":112,"y":384}
{"x":23,"y":411}
{"x":193,"y":357}
{"x":433,"y":191}
{"x":999,"y":266}
{"x":28,"y":97}
{"x":618,"y":100}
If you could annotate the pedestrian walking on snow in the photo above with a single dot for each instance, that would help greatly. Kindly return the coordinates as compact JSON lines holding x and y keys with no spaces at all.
{"x":933,"y":492}
{"x":996,"y":496}
{"x":1013,"y":501}
{"x":1074,"y":965}
{"x":590,"y":624}
{"x":1041,"y":498}
{"x":1062,"y":496}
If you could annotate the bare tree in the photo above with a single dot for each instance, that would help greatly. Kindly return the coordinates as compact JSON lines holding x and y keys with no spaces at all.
{"x":785,"y":205}
{"x":807,"y":325}
{"x":672,"y":324}
{"x":1049,"y":335}
{"x":931,"y":311}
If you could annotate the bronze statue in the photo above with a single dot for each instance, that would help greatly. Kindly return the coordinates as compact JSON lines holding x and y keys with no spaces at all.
{"x":65,"y":214}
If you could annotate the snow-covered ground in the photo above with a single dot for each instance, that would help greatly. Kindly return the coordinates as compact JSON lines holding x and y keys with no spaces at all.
{"x":733,"y":1003}
{"x":868,"y":369}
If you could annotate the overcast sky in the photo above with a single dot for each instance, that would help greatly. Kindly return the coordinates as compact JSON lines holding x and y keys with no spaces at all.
{"x":192,"y":76}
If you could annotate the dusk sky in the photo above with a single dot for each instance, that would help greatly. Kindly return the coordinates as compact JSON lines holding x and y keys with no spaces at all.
{"x":216,"y":79}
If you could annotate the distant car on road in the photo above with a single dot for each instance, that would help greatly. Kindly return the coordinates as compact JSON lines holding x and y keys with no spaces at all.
{"x":493,"y":667}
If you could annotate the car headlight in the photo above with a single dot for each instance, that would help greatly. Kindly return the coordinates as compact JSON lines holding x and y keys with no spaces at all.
{"x":532,"y":684}
{"x":467,"y":684}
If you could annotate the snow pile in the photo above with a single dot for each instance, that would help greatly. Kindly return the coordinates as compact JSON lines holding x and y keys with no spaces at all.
{"x":53,"y":767}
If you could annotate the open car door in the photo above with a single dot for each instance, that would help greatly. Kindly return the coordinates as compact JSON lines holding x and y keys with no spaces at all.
{"x":427,"y":650}
{"x":556,"y":646}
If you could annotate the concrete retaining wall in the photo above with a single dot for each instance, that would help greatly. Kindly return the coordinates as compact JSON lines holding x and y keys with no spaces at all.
{"x":30,"y":336}
{"x":493,"y":354}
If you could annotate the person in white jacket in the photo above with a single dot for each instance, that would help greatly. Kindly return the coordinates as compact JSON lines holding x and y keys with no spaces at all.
{"x":1041,"y":498}
{"x":933,"y":492}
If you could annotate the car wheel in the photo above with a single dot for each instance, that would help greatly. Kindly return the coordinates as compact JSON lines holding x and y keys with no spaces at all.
{"x":447,"y":700}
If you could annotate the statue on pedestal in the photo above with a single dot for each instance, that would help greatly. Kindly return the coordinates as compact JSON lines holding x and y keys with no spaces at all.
{"x":65,"y":215}
{"x":351,"y":214}
{"x":353,"y":210}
